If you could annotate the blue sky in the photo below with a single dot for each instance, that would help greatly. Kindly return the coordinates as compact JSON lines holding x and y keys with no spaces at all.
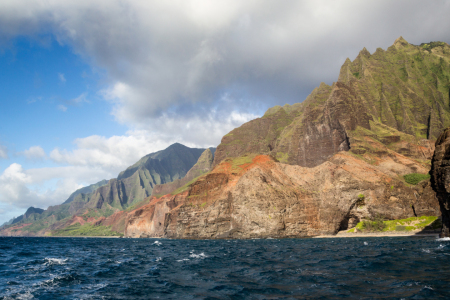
{"x":49,"y":96}
{"x":89,"y":87}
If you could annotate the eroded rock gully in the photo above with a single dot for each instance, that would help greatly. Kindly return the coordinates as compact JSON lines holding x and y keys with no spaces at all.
{"x":264,"y":198}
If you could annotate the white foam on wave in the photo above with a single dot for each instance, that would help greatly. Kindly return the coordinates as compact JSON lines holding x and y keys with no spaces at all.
{"x":366,"y":243}
{"x":54,"y":261}
{"x":441,"y":247}
{"x":158,"y":259}
{"x":445,"y":239}
{"x":426,"y":250}
{"x":184,"y":259}
{"x":157,"y":243}
{"x":27,"y":295}
{"x":201,"y":255}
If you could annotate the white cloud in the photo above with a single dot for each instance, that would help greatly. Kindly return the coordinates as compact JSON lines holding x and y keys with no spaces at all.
{"x":80,"y":99}
{"x":3,"y":152}
{"x":116,"y":153}
{"x":161,"y":54}
{"x":62,"y":107}
{"x":34,"y":153}
{"x":25,"y":188}
{"x":61,"y":77}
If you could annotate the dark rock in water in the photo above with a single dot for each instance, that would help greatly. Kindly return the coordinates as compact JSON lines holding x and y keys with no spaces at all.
{"x":440,"y":178}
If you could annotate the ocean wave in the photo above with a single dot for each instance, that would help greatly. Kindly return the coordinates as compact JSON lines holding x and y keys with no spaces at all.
{"x":184,"y":259}
{"x":54,"y":261}
{"x":445,"y":239}
{"x":201,"y":255}
{"x":226,"y":269}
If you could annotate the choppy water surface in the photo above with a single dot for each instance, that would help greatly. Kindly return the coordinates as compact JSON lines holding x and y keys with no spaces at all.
{"x":91,"y":268}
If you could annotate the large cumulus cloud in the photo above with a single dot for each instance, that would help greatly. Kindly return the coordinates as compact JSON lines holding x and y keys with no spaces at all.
{"x":160,"y":55}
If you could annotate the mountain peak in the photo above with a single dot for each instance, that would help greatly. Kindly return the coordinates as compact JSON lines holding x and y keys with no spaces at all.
{"x":400,"y":42}
{"x":364,"y":52}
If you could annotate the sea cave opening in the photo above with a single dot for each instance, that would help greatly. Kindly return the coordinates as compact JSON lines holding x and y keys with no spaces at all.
{"x":348,"y":222}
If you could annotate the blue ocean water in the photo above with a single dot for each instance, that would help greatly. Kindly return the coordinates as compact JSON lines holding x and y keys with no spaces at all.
{"x":96,"y":268}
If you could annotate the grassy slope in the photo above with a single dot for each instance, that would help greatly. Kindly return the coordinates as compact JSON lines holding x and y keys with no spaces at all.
{"x":410,"y":224}
{"x":86,"y":230}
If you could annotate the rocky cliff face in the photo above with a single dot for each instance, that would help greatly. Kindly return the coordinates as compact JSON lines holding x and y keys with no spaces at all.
{"x":405,"y":89}
{"x":257,"y":197}
{"x":440,"y":178}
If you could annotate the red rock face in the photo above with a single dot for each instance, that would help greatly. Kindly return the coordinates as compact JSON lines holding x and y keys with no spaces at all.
{"x":15,"y":230}
{"x":260,"y":197}
{"x":440,"y":178}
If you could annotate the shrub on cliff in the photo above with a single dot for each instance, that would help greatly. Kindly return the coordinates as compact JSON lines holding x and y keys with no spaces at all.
{"x":415,"y":178}
{"x":376,"y":224}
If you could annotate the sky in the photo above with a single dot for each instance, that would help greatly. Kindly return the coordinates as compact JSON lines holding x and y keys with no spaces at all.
{"x":89,"y":87}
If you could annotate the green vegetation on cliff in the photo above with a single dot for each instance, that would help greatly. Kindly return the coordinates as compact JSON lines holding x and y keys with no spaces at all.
{"x":410,"y":224}
{"x":86,"y":230}
{"x":415,"y":178}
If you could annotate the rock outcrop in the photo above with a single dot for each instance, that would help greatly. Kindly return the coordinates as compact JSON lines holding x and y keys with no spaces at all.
{"x":440,"y":178}
{"x":257,"y":197}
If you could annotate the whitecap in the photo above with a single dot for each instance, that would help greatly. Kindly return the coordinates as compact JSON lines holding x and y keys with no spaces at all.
{"x":201,"y":255}
{"x":157,"y":243}
{"x":366,"y":243}
{"x":184,"y":259}
{"x":441,"y":247}
{"x":27,"y":295}
{"x":158,"y":259}
{"x":428,"y":287}
{"x":426,"y":250}
{"x":445,"y":239}
{"x":54,"y":261}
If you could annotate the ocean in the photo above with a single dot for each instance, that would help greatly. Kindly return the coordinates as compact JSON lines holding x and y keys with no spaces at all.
{"x":334,"y":268}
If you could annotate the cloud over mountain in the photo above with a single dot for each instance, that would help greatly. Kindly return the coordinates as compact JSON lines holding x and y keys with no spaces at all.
{"x":165,"y":55}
